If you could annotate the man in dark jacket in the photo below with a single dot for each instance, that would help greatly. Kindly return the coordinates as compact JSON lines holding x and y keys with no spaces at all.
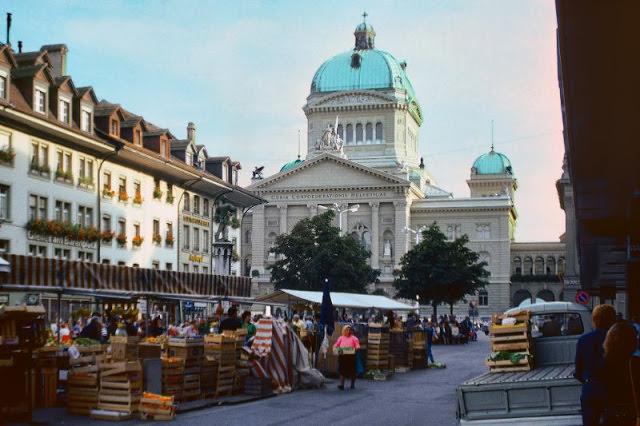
{"x":232,"y":322}
{"x":590,"y":362}
{"x":93,"y":330}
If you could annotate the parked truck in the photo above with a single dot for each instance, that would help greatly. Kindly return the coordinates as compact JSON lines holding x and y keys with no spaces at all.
{"x":548,"y":394}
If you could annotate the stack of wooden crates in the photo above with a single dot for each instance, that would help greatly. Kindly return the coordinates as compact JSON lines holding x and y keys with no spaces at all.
{"x":512,"y":339}
{"x":172,"y":376}
{"x":82,"y":380}
{"x":222,"y":350}
{"x":419,"y":349}
{"x":242,"y":361}
{"x":378,"y":347}
{"x":124,"y":347}
{"x":400,"y":348}
{"x":120,"y":390}
{"x":191,"y":350}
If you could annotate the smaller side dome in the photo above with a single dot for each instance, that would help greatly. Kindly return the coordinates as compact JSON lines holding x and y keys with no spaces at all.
{"x":492,"y":163}
{"x":291,"y":164}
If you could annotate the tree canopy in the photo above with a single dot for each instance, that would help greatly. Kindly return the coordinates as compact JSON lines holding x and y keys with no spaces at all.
{"x":440,"y":271}
{"x":313,"y":251}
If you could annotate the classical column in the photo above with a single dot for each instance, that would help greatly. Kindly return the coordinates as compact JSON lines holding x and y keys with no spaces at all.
{"x":401,"y":216}
{"x":258,"y":239}
{"x":283,"y":218}
{"x":375,"y":235}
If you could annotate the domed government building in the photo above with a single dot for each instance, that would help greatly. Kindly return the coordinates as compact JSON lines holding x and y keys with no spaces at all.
{"x":363,"y":158}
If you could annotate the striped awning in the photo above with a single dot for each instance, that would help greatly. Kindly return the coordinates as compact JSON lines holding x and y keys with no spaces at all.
{"x":60,"y":275}
{"x":5,"y":266}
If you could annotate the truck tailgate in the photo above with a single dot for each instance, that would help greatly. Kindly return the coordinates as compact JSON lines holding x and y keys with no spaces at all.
{"x":543,"y":391}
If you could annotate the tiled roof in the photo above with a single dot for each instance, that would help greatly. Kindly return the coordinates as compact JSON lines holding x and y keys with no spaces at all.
{"x":27,"y":71}
{"x":105,"y":108}
{"x":29,"y":58}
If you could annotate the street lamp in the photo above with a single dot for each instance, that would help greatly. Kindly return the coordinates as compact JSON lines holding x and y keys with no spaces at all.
{"x":418,"y":233}
{"x":340,"y":209}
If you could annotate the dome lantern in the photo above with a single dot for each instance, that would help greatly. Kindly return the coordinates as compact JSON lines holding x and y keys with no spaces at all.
{"x":365,"y":35}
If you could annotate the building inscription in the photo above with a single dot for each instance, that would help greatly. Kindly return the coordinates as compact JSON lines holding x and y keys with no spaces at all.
{"x":61,"y":240}
{"x":195,"y":220}
{"x":328,"y":196}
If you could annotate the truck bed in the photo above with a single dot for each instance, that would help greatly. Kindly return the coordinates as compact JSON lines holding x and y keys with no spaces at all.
{"x":544,"y":391}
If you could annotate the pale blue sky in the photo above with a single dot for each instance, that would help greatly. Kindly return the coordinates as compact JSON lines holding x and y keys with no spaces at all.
{"x":242,"y":70}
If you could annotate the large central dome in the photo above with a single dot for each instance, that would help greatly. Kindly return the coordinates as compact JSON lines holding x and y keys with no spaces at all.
{"x":363,"y":68}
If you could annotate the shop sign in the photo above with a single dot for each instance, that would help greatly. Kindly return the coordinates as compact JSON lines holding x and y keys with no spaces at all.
{"x":201,"y":305}
{"x":195,"y":258}
{"x":187,"y":304}
{"x":61,"y":240}
{"x":571,"y":283}
{"x":195,"y":220}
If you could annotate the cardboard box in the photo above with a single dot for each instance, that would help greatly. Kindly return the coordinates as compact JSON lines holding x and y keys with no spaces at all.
{"x":344,"y":350}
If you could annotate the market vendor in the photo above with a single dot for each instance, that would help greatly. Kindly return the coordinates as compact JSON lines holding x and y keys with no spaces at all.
{"x":246,"y":324}
{"x":232,"y":322}
{"x":298,"y":324}
{"x":347,"y":363}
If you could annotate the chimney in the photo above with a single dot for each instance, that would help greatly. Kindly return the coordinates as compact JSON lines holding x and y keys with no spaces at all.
{"x":8,"y":29}
{"x":191,"y":132}
{"x":19,"y":46}
{"x":58,"y":56}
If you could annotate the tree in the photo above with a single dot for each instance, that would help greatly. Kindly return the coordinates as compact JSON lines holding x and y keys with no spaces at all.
{"x":313,"y":251}
{"x":440,"y":271}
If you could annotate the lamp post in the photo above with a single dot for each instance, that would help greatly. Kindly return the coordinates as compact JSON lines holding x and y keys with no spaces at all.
{"x":340,"y":209}
{"x":418,"y":232}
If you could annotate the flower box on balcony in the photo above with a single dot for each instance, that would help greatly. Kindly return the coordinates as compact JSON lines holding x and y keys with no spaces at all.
{"x":137,"y":241}
{"x":107,"y":236}
{"x":157,"y":239}
{"x":123,"y":196}
{"x":138,"y":199}
{"x":157,"y":194}
{"x":121,"y":239}
{"x":6,"y":156}
{"x":85,"y":182}
{"x":107,"y":192}
{"x":170,"y":198}
{"x":169,"y":240}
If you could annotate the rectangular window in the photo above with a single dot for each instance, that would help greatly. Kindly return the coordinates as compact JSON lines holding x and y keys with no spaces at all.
{"x":136,"y":229}
{"x":37,"y":207}
{"x":136,"y":189}
{"x":85,"y":216}
{"x":63,"y":211}
{"x":122,"y":226}
{"x":85,"y":256}
{"x":168,"y":266}
{"x":67,"y":162}
{"x":483,"y":231}
{"x":106,"y":223}
{"x":4,"y":202}
{"x":3,"y":87}
{"x":114,"y":127}
{"x":185,"y":235}
{"x":186,"y":206}
{"x":185,"y":267}
{"x":36,"y":250}
{"x":60,"y":253}
{"x":4,"y":246}
{"x":196,"y":269}
{"x":64,"y":111}
{"x":196,"y":239}
{"x":106,"y":261}
{"x":205,"y":270}
{"x":169,"y":190}
{"x":156,"y":227}
{"x":41,"y":101}
{"x":137,"y":137}
{"x":39,"y":157}
{"x":196,"y":204}
{"x":155,"y":265}
{"x":106,"y":180}
{"x":85,"y":119}
{"x":169,"y":229}
{"x":205,"y":207}
{"x":205,"y":241}
{"x":163,"y":148}
{"x":86,"y":170}
{"x":483,"y":298}
{"x":122,"y":185}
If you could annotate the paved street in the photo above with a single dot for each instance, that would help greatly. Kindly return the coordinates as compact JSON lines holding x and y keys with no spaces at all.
{"x":417,"y":397}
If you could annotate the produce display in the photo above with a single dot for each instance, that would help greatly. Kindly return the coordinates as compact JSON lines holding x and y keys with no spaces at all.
{"x":510,"y":337}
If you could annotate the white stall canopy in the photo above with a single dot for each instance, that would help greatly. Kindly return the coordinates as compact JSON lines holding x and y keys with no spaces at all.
{"x":339,"y":300}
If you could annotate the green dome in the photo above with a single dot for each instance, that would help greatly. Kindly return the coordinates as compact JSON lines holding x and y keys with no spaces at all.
{"x":492,"y":163}
{"x":376,"y":70}
{"x":291,"y":164}
{"x":365,"y":26}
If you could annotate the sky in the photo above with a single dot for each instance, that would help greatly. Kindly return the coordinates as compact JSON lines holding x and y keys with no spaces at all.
{"x":242,"y":70}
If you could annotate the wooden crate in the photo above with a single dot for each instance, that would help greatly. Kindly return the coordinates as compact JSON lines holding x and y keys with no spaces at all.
{"x":149,"y":350}
{"x":157,"y":407}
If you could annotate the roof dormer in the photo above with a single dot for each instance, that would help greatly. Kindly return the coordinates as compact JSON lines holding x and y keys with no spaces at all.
{"x":33,"y":82}
{"x":62,"y":95}
{"x":133,"y":128}
{"x":108,"y":117}
{"x":83,"y":108}
{"x":157,"y":140}
{"x":7,"y":61}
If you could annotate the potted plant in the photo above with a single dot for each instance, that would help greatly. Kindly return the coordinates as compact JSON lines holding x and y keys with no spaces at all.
{"x":123,"y":196}
{"x":169,"y":198}
{"x":169,"y":239}
{"x":86,"y":181}
{"x":7,"y":155}
{"x":121,"y":239}
{"x":157,"y":238}
{"x":255,"y":273}
{"x":157,"y":193}
{"x":107,"y":236}
{"x":137,"y":199}
{"x":137,"y":240}
{"x":107,"y":192}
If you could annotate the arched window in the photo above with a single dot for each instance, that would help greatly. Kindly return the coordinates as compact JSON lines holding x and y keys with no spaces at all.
{"x":517,"y":266}
{"x":369,"y":132}
{"x":349,"y":133}
{"x":546,"y":295}
{"x":528,"y":266}
{"x":358,"y":133}
{"x":539,"y":266}
{"x":378,"y":132}
{"x":341,"y":131}
{"x":551,"y":265}
{"x":561,"y":266}
{"x":520,"y":296}
{"x":483,"y":298}
{"x":366,"y":240}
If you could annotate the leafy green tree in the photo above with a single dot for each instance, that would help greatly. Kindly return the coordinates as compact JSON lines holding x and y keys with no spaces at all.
{"x":313,"y":251}
{"x":440,"y":271}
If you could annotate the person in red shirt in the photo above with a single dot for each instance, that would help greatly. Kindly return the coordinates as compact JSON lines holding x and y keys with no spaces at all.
{"x":347,"y":363}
